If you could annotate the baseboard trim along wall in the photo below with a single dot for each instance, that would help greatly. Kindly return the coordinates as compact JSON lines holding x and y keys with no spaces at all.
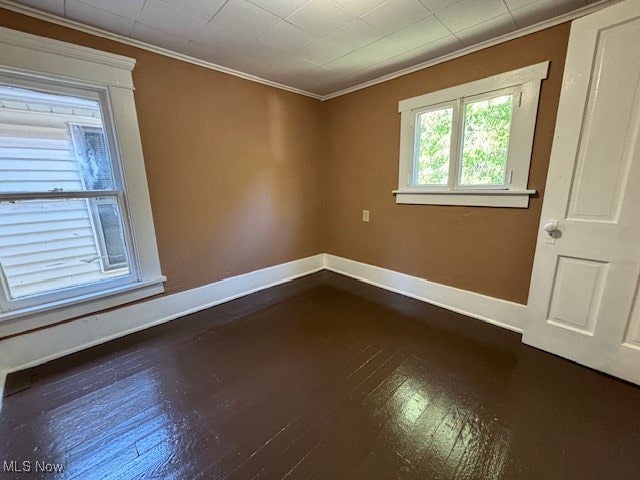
{"x":38,"y":347}
{"x":498,"y":312}
{"x":41,"y":346}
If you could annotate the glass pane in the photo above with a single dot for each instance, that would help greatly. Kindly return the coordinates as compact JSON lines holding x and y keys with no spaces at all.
{"x":93,"y":156}
{"x":49,"y":245}
{"x":433,"y":147}
{"x":51,"y":142}
{"x":486,"y":141}
{"x":115,"y":252}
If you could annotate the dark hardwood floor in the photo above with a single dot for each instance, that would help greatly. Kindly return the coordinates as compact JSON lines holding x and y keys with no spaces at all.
{"x":321,"y":378}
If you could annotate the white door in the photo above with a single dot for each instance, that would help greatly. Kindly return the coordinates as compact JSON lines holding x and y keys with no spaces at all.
{"x":584,"y":303}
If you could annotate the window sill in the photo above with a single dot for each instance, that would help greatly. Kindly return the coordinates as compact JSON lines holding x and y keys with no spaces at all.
{"x":472,"y":198}
{"x":25,"y":319}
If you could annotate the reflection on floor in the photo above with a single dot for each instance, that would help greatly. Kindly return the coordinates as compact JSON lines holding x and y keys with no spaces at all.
{"x":324,"y":377}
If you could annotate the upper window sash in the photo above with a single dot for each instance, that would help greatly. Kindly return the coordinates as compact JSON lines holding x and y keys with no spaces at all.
{"x":80,"y":90}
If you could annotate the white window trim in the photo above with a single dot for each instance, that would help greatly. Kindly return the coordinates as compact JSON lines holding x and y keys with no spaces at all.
{"x":525,"y":83}
{"x":44,"y":59}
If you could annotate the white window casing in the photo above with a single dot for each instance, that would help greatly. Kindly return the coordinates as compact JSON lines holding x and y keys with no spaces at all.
{"x":524,"y":86}
{"x":26,"y":60}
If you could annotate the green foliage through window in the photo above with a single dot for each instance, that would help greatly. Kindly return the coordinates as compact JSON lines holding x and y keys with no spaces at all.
{"x":434,"y":147}
{"x":485,"y":144}
{"x":486,"y":141}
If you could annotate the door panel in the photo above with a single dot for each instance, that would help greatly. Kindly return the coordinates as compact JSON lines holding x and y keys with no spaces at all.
{"x":577,"y":293}
{"x":582,"y":302}
{"x":603,"y":161}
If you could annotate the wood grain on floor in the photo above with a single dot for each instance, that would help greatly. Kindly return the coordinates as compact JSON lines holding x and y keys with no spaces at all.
{"x":321,"y":378}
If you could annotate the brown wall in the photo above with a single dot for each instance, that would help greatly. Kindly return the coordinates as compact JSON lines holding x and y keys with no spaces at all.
{"x":486,"y":250}
{"x":236,"y":172}
{"x":233,"y":166}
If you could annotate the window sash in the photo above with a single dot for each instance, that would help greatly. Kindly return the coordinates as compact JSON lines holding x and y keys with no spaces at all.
{"x":514,"y":92}
{"x":78,"y":90}
{"x":416,"y":144}
{"x":8,"y":304}
{"x":457,"y":142}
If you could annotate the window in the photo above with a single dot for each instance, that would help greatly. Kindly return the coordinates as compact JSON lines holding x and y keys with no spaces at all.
{"x":62,"y":224}
{"x":470,"y":144}
{"x":73,"y":238}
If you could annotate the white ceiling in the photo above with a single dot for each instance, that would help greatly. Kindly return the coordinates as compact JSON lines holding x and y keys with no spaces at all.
{"x":319,"y":46}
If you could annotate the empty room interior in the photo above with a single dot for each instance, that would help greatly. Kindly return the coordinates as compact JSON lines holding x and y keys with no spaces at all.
{"x":320,"y":239}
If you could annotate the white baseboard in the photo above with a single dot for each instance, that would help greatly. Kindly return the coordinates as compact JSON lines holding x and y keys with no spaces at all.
{"x":41,"y":346}
{"x":498,"y":312}
{"x":35,"y":348}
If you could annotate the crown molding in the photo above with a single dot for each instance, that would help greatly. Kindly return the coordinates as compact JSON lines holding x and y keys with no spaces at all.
{"x":552,"y":22}
{"x":65,"y":22}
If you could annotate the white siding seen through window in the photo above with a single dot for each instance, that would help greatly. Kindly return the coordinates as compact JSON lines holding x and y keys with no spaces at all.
{"x":56,"y":143}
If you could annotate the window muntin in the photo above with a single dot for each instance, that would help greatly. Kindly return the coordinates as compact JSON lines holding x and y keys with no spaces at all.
{"x":62,"y":201}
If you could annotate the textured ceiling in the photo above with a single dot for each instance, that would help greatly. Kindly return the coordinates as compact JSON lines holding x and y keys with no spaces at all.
{"x":319,"y":46}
